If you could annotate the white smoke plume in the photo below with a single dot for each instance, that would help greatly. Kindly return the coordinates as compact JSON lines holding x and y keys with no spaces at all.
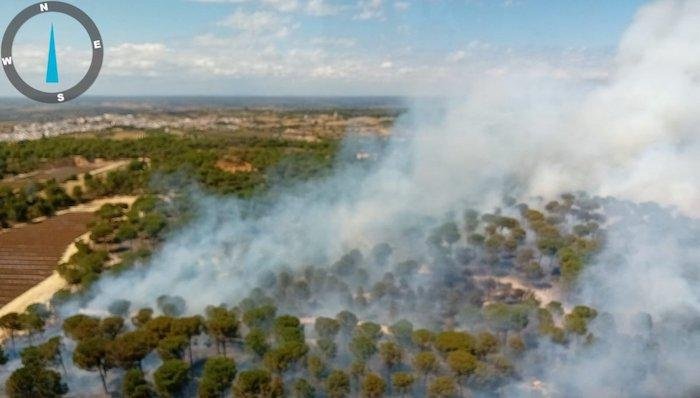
{"x":634,"y":137}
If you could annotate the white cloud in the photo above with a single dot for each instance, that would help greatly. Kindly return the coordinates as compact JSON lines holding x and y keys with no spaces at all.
{"x":279,"y":5}
{"x":401,"y":5}
{"x":456,"y":56}
{"x":370,"y":9}
{"x":317,"y":8}
{"x":254,"y":21}
{"x":132,"y":59}
{"x":258,"y":23}
{"x":336,"y":42}
{"x":324,"y":72}
{"x":283,"y":5}
{"x":322,"y":8}
{"x":263,"y":48}
{"x":336,"y":65}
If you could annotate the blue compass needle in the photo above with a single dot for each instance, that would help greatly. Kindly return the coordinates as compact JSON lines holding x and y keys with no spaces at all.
{"x":52,"y":65}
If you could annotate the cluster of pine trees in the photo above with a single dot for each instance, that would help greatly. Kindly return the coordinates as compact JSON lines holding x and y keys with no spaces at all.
{"x":274,"y":343}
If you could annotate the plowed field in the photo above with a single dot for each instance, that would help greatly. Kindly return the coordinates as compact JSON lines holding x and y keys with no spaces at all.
{"x":30,"y":253}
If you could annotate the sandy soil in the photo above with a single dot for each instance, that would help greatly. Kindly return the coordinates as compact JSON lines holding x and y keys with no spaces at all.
{"x":97,"y":203}
{"x":113,"y":165}
{"x":543,"y":295}
{"x":234,"y":167}
{"x":42,"y":292}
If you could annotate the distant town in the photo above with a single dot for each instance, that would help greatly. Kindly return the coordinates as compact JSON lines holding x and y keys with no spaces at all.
{"x":288,"y":125}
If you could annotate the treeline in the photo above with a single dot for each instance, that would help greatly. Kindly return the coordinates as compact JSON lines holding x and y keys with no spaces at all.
{"x":471,"y":338}
{"x":251,"y":351}
{"x":132,"y":232}
{"x":195,"y":155}
{"x":38,"y":200}
{"x":191,"y":158}
{"x":43,"y":199}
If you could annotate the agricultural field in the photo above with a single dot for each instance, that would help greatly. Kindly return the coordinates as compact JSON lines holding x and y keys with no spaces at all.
{"x":65,"y":171}
{"x":30,"y":253}
{"x":43,"y":178}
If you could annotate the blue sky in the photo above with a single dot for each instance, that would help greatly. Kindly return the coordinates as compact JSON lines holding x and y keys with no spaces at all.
{"x":327,"y":47}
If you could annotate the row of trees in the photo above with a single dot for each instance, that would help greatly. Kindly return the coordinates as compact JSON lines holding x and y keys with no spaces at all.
{"x":470,"y":342}
{"x":115,"y":225}
{"x":43,"y":199}
{"x":345,"y":356}
{"x":195,"y":155}
{"x":37,"y":200}
{"x":31,"y":321}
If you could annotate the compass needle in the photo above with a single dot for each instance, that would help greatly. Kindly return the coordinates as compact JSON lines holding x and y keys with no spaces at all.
{"x":52,"y":65}
{"x":66,"y":94}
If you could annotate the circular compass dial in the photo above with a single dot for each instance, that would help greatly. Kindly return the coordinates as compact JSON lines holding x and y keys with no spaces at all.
{"x":8,"y":62}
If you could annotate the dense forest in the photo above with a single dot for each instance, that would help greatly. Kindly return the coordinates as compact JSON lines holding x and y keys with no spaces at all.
{"x":188,"y":159}
{"x":452,"y":307}
{"x":441,"y":326}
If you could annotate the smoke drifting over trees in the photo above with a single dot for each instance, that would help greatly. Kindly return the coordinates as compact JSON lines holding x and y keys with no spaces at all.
{"x":634,"y":137}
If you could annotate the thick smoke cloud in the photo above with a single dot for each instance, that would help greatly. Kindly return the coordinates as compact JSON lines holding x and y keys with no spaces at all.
{"x":634,"y":137}
{"x":645,"y":123}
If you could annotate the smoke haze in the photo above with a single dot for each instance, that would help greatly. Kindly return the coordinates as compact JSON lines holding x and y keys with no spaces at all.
{"x":634,"y":137}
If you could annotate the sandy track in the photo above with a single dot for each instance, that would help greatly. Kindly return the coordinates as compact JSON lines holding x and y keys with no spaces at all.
{"x":44,"y":290}
{"x":544,"y":296}
{"x":109,"y":166}
{"x":97,"y":203}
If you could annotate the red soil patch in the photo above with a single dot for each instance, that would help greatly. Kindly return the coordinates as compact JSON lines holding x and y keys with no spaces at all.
{"x":30,"y":253}
{"x":234,"y":167}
